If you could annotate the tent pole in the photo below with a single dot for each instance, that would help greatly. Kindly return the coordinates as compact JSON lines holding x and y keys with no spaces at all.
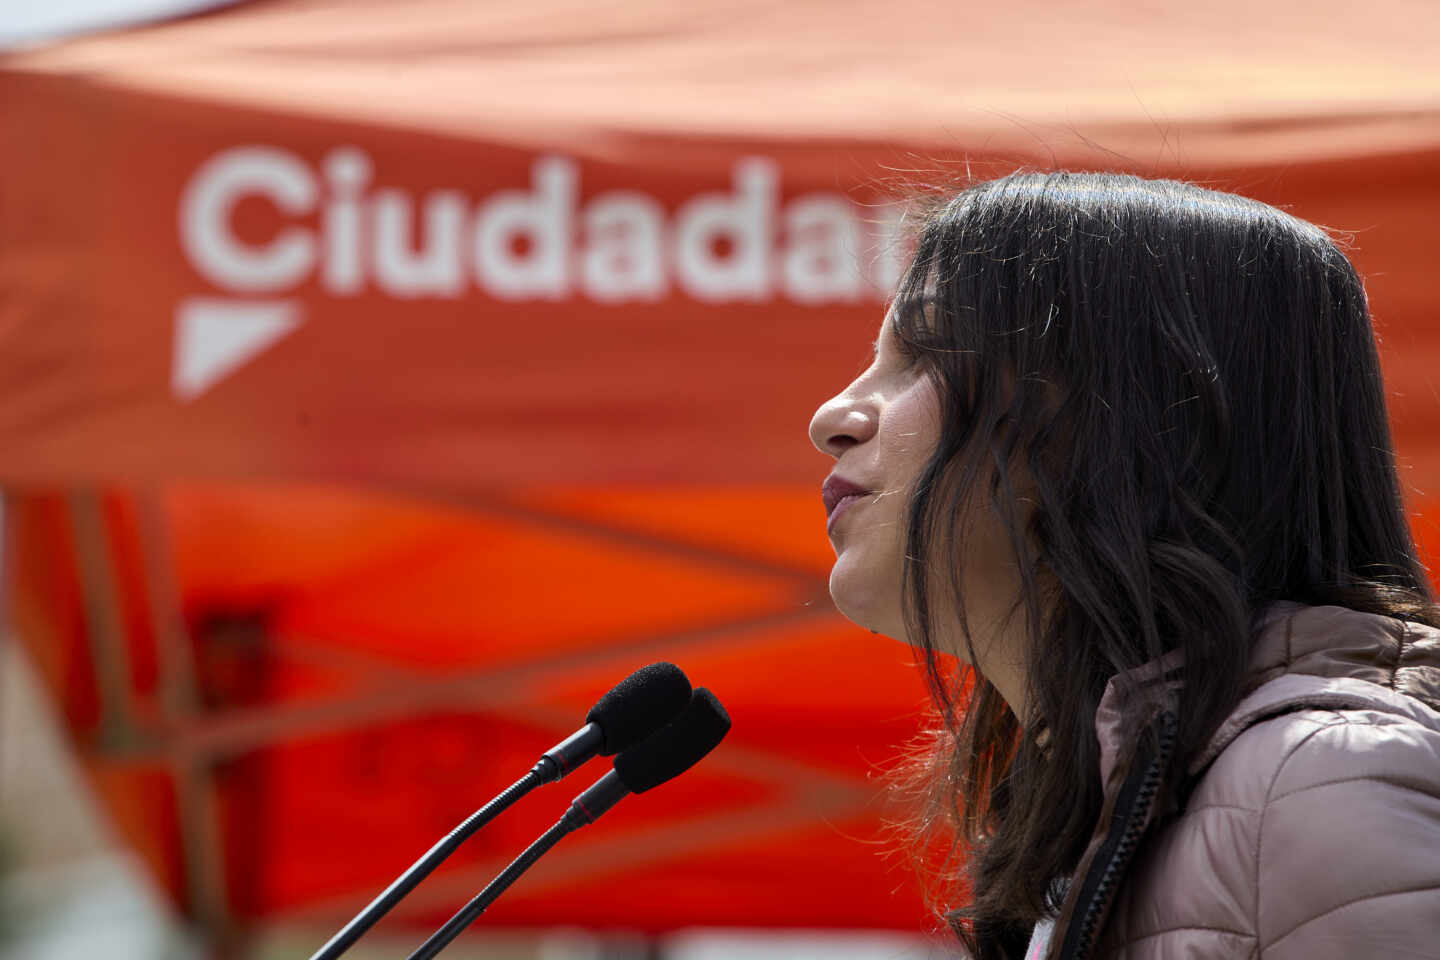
{"x":192,"y":771}
{"x":103,"y":621}
{"x":179,"y":691}
{"x":197,"y":802}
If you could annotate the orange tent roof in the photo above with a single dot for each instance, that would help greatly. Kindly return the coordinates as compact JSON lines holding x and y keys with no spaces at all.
{"x":1226,"y":82}
{"x":122,"y":199}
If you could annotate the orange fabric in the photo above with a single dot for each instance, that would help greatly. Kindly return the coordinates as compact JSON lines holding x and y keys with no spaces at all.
{"x":391,"y":696}
{"x":464,"y":338}
{"x":1215,"y":84}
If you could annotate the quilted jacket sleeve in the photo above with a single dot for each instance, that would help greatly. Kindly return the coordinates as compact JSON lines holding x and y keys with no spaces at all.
{"x":1347,"y":859}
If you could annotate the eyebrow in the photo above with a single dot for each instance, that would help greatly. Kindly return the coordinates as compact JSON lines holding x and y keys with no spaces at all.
{"x":925,"y":304}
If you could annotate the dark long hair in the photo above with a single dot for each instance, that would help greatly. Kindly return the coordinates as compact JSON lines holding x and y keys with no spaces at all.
{"x":1185,"y":384}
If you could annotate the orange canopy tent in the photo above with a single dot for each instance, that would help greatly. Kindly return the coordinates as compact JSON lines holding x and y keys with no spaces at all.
{"x":383,"y":380}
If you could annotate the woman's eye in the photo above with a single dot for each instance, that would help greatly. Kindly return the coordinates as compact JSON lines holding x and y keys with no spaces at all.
{"x":895,"y":352}
{"x":908,"y":353}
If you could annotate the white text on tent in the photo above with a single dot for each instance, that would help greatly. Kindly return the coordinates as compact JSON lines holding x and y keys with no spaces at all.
{"x":534,"y":243}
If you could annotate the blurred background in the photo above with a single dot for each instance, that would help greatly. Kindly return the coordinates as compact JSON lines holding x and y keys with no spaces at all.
{"x":381,"y":381}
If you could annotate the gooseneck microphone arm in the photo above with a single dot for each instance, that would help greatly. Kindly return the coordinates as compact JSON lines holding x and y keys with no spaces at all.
{"x":639,"y":704}
{"x":453,"y":927}
{"x":664,"y":755}
{"x":586,"y":808}
{"x":546,"y":770}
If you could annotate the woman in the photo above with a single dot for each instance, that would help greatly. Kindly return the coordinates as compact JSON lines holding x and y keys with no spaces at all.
{"x":1123,"y":450}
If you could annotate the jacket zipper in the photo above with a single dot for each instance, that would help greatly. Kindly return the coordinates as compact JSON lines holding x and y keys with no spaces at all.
{"x":1083,"y":941}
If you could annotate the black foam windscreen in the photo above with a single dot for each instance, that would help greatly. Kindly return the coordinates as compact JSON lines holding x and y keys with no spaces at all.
{"x":673,"y":749}
{"x":639,"y":705}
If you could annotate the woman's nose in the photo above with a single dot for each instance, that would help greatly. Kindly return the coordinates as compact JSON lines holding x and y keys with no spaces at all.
{"x":840,"y":424}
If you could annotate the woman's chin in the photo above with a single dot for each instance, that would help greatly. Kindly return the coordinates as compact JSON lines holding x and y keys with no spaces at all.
{"x":863,"y":598}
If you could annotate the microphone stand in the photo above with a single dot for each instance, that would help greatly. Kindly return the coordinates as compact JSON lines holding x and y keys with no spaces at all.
{"x":577,"y":748}
{"x":647,"y":699}
{"x":467,"y":915}
{"x":586,"y":808}
{"x":423,"y":867}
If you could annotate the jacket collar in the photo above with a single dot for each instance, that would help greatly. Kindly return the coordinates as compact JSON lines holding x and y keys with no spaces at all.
{"x":1304,"y":656}
{"x":1335,"y":658}
{"x":1130,"y":701}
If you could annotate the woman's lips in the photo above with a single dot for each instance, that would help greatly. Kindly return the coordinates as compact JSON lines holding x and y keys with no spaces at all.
{"x":841,"y":508}
{"x":837,"y":488}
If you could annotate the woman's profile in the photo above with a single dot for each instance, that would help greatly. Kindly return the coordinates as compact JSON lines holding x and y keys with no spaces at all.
{"x":1123,"y":450}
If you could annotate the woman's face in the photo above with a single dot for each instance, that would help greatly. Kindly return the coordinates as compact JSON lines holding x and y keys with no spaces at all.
{"x":880,"y":429}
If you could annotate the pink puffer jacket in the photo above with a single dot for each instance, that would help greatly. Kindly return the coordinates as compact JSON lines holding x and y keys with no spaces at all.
{"x":1313,"y":829}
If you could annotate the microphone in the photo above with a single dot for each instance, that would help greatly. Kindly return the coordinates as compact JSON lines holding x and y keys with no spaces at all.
{"x":634,"y":708}
{"x":662,"y":756}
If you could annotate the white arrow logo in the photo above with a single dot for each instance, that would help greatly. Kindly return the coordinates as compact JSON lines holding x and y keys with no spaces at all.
{"x":215,"y":337}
